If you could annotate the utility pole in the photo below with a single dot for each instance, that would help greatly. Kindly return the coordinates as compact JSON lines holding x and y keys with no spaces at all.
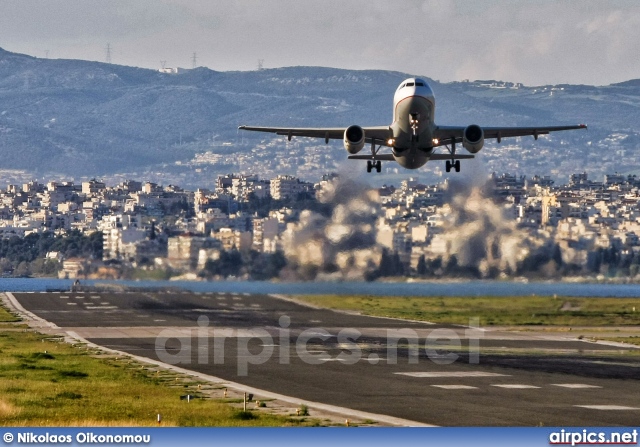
{"x":108,"y":60}
{"x":194,"y":60}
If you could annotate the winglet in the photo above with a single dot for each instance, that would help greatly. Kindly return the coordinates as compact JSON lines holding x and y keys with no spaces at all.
{"x":241,"y":127}
{"x":583,"y":126}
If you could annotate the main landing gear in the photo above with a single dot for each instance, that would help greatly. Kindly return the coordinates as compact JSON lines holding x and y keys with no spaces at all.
{"x":377,"y":165}
{"x":374,"y":164}
{"x":452,"y":164}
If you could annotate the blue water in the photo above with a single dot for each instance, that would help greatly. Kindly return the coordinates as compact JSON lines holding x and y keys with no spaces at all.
{"x":465,"y":288}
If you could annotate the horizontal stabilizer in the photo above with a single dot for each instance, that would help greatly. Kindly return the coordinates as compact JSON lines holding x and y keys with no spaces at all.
{"x":449,"y":157}
{"x":383,"y":157}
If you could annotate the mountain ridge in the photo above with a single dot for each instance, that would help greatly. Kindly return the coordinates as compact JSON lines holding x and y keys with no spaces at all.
{"x":91,"y":118}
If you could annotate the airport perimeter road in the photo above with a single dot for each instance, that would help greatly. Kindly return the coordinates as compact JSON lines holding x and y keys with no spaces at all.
{"x":519,"y":378}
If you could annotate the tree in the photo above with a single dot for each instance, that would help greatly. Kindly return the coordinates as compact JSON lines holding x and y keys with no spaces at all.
{"x":422,"y":266}
{"x":22,"y":270}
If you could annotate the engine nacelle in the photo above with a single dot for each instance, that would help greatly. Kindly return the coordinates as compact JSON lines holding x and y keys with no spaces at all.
{"x":473,"y":138}
{"x":354,"y":139}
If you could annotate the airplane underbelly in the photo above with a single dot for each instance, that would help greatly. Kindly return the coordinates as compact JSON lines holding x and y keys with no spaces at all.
{"x":411,"y":158}
{"x":413,"y":108}
{"x":416,"y":105}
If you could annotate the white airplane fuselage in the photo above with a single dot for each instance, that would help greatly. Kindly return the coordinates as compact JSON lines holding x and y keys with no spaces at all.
{"x":414,"y":108}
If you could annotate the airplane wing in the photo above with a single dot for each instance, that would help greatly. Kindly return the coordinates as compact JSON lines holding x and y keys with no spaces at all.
{"x":380,"y":133}
{"x":389,"y":157}
{"x":447,"y":134}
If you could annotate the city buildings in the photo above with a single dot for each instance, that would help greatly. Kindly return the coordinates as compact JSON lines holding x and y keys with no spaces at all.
{"x":145,"y":225}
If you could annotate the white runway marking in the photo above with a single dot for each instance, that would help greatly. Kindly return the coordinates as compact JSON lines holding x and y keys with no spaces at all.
{"x":72,"y":304}
{"x":246,"y":294}
{"x":452,"y":374}
{"x":234,"y":294}
{"x":101,"y":307}
{"x":64,"y":297}
{"x":104,"y":303}
{"x":95,"y":297}
{"x":79,"y":297}
{"x":159,"y":320}
{"x":516,"y":386}
{"x":575,"y":385}
{"x":456,"y":387}
{"x":607,"y":407}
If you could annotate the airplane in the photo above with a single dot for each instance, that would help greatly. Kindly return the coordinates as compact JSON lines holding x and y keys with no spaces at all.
{"x":413,"y":135}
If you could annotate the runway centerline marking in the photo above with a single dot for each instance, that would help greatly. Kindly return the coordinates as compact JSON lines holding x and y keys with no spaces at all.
{"x":575,"y":385}
{"x":456,"y":387}
{"x":607,"y":407}
{"x":438,"y":374}
{"x":516,"y":386}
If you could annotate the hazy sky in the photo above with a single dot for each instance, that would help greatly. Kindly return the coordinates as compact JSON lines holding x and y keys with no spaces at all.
{"x":534,"y":42}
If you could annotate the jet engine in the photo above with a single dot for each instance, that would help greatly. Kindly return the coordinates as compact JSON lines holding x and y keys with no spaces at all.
{"x":354,"y":139}
{"x":473,"y":138}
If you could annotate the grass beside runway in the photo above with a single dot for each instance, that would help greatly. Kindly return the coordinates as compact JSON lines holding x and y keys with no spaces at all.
{"x":634,"y":339}
{"x":8,"y":317}
{"x":491,"y":311}
{"x":46,"y":382}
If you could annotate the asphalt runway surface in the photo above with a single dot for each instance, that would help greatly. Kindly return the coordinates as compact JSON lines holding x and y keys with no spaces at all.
{"x":347,"y":360}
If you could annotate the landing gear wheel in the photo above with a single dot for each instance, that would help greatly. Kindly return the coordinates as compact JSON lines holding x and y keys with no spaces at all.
{"x":457,"y":165}
{"x":373,"y":164}
{"x":447,"y":166}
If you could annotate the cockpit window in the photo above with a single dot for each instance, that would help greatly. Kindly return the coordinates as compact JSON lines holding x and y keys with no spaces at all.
{"x":409,"y":84}
{"x":419,"y":84}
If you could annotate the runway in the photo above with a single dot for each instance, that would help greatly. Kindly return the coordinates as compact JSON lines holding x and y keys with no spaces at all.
{"x":433,"y":374}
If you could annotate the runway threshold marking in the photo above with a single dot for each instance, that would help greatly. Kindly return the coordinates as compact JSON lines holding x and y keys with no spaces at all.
{"x":575,"y":385}
{"x":607,"y":407}
{"x":438,"y":374}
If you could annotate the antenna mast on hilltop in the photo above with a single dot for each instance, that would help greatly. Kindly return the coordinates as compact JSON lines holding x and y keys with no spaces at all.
{"x":108,"y":60}
{"x":194,"y":60}
{"x":260,"y":63}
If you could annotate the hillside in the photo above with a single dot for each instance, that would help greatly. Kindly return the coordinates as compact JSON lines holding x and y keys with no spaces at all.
{"x":88,"y":118}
